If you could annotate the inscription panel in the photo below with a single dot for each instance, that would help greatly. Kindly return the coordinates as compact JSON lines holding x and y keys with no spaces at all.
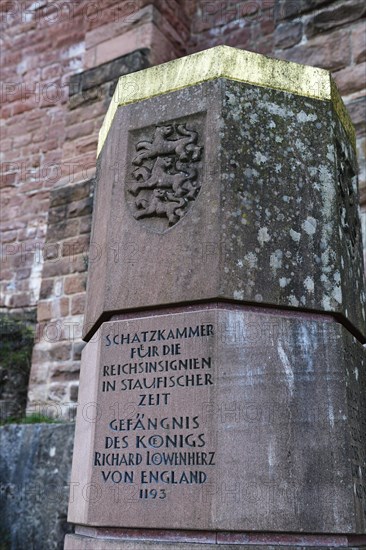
{"x":152,"y":381}
{"x":219,"y":419}
{"x":153,"y":447}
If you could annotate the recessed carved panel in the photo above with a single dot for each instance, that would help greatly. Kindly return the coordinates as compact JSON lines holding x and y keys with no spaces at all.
{"x":350,"y":221}
{"x":165,"y":173}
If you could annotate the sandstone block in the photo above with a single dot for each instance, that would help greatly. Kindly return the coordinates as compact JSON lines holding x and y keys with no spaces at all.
{"x":288,"y":34}
{"x":335,"y":16}
{"x":331,"y":51}
{"x":272,"y":220}
{"x":352,"y":79}
{"x":359,"y":43}
{"x":225,"y":419}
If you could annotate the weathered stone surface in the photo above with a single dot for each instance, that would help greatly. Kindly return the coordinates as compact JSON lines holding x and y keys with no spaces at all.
{"x":150,"y":31}
{"x":78,"y":542}
{"x":261,"y":223}
{"x":16,"y":344}
{"x":359,"y":43}
{"x":160,"y":539}
{"x":106,"y":72}
{"x":35,"y":465}
{"x":285,"y":9}
{"x":342,"y":79}
{"x":235,"y":420}
{"x":357,"y":110}
{"x":288,"y":34}
{"x":362,"y":157}
{"x":54,"y":40}
{"x":335,"y":16}
{"x":330,"y":51}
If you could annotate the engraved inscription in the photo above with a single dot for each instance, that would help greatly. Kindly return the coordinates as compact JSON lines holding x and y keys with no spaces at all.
{"x":156,"y":446}
{"x":356,"y":397}
{"x":165,"y":174}
{"x":187,"y":421}
{"x":348,"y":201}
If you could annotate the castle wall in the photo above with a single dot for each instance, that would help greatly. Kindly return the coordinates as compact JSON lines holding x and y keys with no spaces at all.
{"x":60,"y":63}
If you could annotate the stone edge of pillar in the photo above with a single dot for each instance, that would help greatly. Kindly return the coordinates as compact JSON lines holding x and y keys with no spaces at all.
{"x":278,"y":311}
{"x":233,"y":64}
{"x":140,"y":539}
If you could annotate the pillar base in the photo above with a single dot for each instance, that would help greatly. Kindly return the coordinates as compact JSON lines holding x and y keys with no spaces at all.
{"x":86,"y":538}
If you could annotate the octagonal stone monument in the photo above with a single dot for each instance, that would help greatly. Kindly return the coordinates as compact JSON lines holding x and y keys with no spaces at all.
{"x":222,"y":390}
{"x":233,"y":164}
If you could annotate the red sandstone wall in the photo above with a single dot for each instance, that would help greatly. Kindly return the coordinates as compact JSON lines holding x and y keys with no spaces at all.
{"x":48,"y":143}
{"x":42,"y":143}
{"x":48,"y":137}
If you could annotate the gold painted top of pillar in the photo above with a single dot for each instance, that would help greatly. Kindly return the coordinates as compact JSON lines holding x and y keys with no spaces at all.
{"x":233,"y":64}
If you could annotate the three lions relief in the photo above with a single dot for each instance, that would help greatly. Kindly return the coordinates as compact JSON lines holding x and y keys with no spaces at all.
{"x":165,"y":173}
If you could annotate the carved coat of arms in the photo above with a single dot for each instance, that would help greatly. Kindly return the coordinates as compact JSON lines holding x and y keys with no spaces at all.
{"x":165,"y":174}
{"x":349,"y":203}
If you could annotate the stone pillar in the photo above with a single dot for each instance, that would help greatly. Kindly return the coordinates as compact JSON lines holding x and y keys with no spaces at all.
{"x":222,"y":391}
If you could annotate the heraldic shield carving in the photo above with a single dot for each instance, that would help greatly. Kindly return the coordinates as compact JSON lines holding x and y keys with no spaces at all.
{"x":350,"y":220}
{"x":165,"y":174}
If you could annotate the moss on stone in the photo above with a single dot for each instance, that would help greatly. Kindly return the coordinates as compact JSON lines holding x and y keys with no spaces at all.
{"x":16,"y":344}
